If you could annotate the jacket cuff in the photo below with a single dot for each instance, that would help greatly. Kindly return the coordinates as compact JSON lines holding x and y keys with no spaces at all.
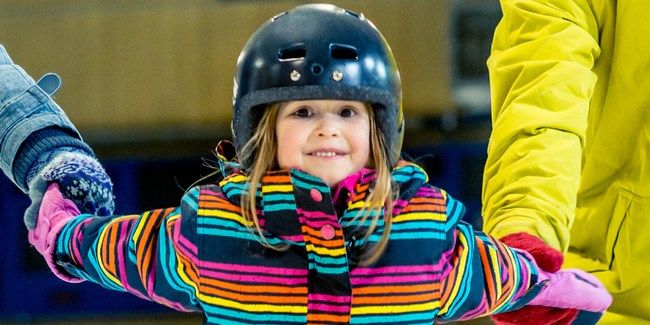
{"x":40,"y":148}
{"x":50,"y":251}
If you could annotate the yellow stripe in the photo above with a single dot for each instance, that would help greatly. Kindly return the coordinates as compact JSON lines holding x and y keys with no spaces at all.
{"x":237,"y":178}
{"x":420,"y":216}
{"x":324,"y":251}
{"x":180,"y":270}
{"x":515,"y":279}
{"x":277,"y":188}
{"x":358,"y":205}
{"x":497,"y":272}
{"x":461,"y":266}
{"x":225,"y":215}
{"x":101,"y":258}
{"x":140,"y":225}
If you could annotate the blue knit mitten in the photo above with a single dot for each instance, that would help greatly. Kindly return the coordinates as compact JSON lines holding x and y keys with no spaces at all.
{"x":81,"y":178}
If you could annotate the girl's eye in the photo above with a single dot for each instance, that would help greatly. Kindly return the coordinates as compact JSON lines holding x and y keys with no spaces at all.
{"x":302,"y":112}
{"x":347,"y":112}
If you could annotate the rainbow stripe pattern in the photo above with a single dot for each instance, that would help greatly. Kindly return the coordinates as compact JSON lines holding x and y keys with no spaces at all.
{"x":203,"y":257}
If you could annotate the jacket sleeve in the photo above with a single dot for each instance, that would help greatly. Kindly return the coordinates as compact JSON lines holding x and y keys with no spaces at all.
{"x":31,"y":122}
{"x":480,"y":275}
{"x":541,"y":83}
{"x":152,"y":255}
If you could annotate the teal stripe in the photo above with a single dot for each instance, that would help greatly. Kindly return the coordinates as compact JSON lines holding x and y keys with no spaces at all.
{"x":63,"y":245}
{"x":232,"y":191}
{"x":242,"y":234}
{"x":337,"y":267}
{"x":332,"y":270}
{"x":191,"y":199}
{"x":242,"y":317}
{"x":332,"y":260}
{"x":349,"y":222}
{"x":410,"y":318}
{"x":221,"y":222}
{"x":411,"y":235}
{"x":279,"y":207}
{"x":322,"y":188}
{"x":455,"y":211}
{"x":101,"y":276}
{"x":467,"y":274}
{"x":407,"y":174}
{"x":275,"y":196}
{"x":169,"y":266}
{"x":422,"y":225}
{"x":237,"y":189}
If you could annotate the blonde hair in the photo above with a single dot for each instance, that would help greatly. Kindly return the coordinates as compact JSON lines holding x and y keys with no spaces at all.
{"x":261,"y":149}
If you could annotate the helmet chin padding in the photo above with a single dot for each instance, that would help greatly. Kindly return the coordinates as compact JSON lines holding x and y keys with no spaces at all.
{"x":312,"y":52}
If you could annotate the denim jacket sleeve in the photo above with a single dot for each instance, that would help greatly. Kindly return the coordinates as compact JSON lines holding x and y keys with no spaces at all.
{"x":27,"y":107}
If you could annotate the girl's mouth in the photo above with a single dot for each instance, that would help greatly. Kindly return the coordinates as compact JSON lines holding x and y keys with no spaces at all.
{"x":324,"y":154}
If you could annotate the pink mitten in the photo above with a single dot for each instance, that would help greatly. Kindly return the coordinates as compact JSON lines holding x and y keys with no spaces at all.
{"x":546,"y":308}
{"x":54,"y":213}
{"x":572,"y":289}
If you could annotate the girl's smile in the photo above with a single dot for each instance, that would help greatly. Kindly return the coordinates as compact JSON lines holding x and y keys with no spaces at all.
{"x":329,"y":139}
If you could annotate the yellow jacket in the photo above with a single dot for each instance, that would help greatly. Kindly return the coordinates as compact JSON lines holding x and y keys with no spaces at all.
{"x":569,"y":155}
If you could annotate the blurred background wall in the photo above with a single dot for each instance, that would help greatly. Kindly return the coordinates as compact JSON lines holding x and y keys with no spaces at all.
{"x":149,"y":85}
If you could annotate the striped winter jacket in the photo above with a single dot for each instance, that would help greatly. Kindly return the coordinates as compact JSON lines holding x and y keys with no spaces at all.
{"x":202,"y":256}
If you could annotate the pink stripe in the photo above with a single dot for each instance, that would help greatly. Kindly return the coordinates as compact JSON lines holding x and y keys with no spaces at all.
{"x":328,"y":308}
{"x":253,"y":269}
{"x":170,"y":304}
{"x":79,"y":236}
{"x":290,"y":281}
{"x":393,"y":279}
{"x":330,"y":298}
{"x":333,"y":304}
{"x":476,"y":312}
{"x":124,"y":235}
{"x":315,"y":214}
{"x":313,"y":224}
{"x":189,"y":249}
{"x":208,"y":191}
{"x":395,"y":269}
{"x":428,"y":190}
{"x":295,"y":238}
{"x":400,"y":203}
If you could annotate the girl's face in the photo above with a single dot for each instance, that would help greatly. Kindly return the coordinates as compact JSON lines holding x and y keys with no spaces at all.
{"x":329,"y":139}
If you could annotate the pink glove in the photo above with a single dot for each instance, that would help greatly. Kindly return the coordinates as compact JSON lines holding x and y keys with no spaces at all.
{"x":572,"y":289}
{"x":54,"y":213}
{"x":542,"y":311}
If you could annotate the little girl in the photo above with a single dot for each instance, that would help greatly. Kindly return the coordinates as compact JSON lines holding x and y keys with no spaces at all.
{"x":316,"y":220}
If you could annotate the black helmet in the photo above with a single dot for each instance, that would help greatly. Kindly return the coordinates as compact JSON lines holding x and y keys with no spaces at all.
{"x":318,"y":51}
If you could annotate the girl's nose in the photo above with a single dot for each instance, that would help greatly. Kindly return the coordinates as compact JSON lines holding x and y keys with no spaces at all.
{"x":328,"y":128}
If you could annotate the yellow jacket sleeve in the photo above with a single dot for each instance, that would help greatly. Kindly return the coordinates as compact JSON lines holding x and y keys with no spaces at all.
{"x":541,"y":83}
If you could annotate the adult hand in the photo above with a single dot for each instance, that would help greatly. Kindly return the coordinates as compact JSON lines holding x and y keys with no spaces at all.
{"x":80,"y":178}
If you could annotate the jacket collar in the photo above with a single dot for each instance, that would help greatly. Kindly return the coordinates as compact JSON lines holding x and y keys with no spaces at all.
{"x":408,"y":177}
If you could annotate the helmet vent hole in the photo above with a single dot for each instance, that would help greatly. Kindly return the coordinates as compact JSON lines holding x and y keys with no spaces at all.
{"x":343,"y":52}
{"x":352,"y":13}
{"x":274,"y":18}
{"x":316,"y":69}
{"x":292,"y":53}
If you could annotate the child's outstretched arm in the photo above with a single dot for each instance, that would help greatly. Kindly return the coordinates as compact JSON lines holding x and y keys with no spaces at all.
{"x":483,"y":276}
{"x":39,"y":144}
{"x":148,"y":255}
